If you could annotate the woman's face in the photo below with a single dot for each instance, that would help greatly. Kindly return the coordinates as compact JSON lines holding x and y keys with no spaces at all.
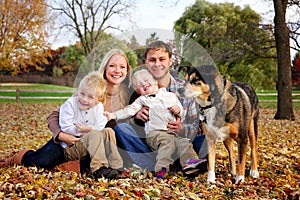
{"x":116,"y":70}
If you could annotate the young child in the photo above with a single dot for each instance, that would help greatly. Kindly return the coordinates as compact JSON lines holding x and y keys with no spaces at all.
{"x":81,"y":115}
{"x":83,"y":112}
{"x":163,"y":107}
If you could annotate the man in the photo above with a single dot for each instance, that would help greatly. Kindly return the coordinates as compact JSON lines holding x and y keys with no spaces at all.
{"x":158,"y":60}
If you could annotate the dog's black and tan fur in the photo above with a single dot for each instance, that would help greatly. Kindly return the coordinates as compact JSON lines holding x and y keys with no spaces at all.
{"x":231,"y":110}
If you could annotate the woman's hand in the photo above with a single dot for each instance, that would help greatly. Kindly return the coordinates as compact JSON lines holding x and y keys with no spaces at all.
{"x":67,"y":138}
{"x":143,"y":114}
{"x":175,"y":126}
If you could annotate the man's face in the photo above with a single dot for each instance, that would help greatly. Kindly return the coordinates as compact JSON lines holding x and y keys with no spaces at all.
{"x":158,"y":63}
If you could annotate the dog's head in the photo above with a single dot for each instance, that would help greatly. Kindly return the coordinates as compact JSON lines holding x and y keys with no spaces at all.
{"x":203,"y":83}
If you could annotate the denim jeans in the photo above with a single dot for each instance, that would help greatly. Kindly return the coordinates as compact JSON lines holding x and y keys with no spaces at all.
{"x":200,"y":146}
{"x":48,"y":156}
{"x":133,"y":149}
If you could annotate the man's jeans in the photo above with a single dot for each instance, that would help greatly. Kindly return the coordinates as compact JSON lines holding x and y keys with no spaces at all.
{"x":134,"y":150}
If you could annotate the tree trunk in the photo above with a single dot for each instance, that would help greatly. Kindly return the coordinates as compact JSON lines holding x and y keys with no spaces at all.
{"x":284,"y":83}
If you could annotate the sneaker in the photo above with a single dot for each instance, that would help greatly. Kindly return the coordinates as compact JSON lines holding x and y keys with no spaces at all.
{"x":106,"y":172}
{"x":162,"y":173}
{"x":195,"y":165}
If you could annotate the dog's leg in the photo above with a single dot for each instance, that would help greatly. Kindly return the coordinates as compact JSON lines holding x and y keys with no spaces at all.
{"x":242,"y":153}
{"x":229,"y":146}
{"x":254,"y":157}
{"x":211,"y":145}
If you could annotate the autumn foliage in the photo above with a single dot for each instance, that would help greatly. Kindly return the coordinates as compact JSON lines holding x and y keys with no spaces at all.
{"x":24,"y":126}
{"x":22,"y":35}
{"x":296,"y":69}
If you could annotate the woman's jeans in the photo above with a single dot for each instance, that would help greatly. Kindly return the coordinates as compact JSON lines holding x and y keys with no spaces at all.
{"x":48,"y":156}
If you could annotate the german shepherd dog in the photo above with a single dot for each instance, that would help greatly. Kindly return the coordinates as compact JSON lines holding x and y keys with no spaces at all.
{"x":230,"y":112}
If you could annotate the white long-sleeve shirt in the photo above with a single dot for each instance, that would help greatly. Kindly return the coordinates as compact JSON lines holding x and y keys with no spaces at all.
{"x":71,"y":114}
{"x":159,"y":115}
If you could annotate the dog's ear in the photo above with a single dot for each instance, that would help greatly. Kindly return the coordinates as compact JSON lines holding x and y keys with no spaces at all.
{"x":184,"y":71}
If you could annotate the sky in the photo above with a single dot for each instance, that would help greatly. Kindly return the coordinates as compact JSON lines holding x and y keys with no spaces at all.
{"x":161,"y":15}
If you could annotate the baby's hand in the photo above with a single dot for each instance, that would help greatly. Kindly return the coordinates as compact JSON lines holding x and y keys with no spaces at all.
{"x":175,"y":109}
{"x":83,"y":128}
{"x":109,"y":115}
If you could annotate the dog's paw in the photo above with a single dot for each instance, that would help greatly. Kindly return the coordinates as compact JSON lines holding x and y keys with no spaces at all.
{"x":239,"y":179}
{"x":254,"y":173}
{"x":211,"y":177}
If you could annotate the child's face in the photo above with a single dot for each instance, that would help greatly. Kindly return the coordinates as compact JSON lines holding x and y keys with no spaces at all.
{"x":87,"y":98}
{"x":145,"y":84}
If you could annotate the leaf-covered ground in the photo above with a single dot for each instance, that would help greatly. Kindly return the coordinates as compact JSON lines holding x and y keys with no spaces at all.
{"x":24,"y":126}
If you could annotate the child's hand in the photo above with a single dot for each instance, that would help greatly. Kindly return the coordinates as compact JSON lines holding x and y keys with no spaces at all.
{"x":109,"y":115}
{"x":83,"y":128}
{"x":175,"y":109}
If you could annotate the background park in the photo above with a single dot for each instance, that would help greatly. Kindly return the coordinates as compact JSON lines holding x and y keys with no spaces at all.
{"x":35,"y":79}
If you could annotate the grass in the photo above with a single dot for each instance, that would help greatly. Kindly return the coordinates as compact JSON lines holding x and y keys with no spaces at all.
{"x":4,"y":86}
{"x":34,"y":94}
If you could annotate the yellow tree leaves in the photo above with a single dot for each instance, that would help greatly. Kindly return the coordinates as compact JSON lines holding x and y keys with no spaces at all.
{"x":22,"y":34}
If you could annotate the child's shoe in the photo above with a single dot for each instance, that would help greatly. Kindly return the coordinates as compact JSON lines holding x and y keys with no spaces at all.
{"x":195,"y":165}
{"x":162,"y":173}
{"x":106,"y":172}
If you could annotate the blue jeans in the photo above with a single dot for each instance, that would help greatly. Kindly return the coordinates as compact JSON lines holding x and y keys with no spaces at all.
{"x":200,"y":146}
{"x":48,"y":156}
{"x":133,"y":149}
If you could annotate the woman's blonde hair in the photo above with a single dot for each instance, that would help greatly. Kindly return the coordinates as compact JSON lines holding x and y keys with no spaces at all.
{"x":124,"y":91}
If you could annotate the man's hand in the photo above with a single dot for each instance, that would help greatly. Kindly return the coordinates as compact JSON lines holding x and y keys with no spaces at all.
{"x":67,"y":138}
{"x":175,"y":126}
{"x":143,"y":114}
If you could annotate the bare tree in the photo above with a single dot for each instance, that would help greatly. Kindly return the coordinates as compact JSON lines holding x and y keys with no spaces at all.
{"x":89,"y":19}
{"x":294,"y":24}
{"x":284,"y":83}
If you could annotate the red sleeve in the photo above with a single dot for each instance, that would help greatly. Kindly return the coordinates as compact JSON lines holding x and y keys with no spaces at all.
{"x":53,"y":124}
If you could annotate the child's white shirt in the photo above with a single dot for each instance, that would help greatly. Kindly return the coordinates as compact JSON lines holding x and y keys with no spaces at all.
{"x":70,"y":114}
{"x":159,"y":115}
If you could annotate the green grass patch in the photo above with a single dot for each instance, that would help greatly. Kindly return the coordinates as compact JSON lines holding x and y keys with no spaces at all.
{"x":9,"y":90}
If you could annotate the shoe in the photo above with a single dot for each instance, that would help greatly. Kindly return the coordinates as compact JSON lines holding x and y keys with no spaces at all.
{"x":162,"y":173}
{"x":195,"y":165}
{"x":106,"y":172}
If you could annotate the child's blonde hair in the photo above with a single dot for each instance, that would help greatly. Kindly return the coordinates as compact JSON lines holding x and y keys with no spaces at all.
{"x":138,"y":75}
{"x":95,"y":81}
